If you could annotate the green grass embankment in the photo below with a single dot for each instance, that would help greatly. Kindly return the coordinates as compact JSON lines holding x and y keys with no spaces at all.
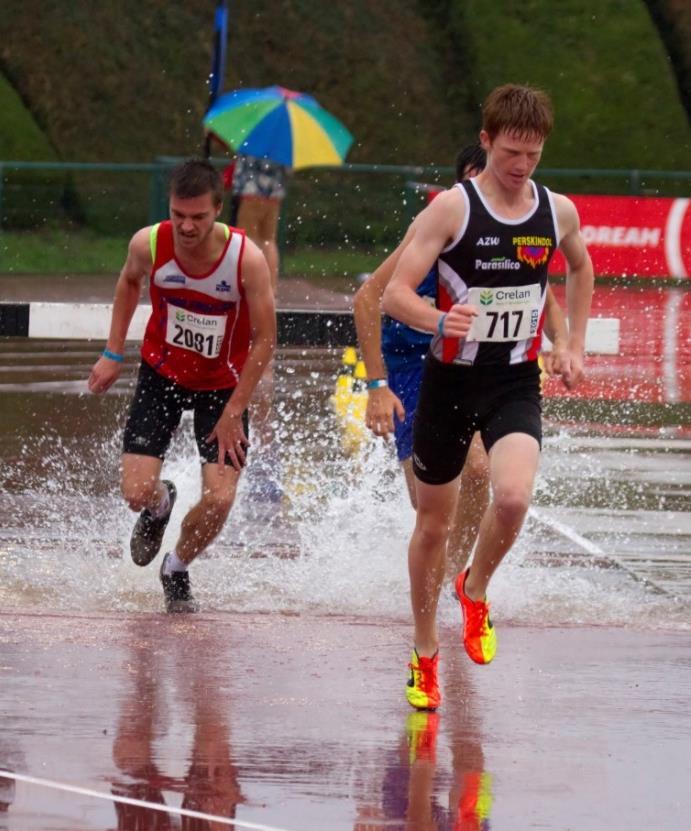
{"x":406,"y":76}
{"x":21,"y":139}
{"x":616,"y":100}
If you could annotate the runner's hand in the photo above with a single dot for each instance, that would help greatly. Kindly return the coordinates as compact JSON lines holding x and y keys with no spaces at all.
{"x":458,"y":320}
{"x":104,"y":374}
{"x":571,"y":368}
{"x":549,"y":363}
{"x":381,"y":406}
{"x":229,"y":432}
{"x":552,"y":361}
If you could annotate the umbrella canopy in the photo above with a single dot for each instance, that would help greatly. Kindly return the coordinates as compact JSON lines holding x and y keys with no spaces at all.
{"x":278,"y":124}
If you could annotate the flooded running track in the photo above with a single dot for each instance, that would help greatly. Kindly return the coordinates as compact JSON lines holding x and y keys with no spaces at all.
{"x":282,"y":702}
{"x":611,"y":511}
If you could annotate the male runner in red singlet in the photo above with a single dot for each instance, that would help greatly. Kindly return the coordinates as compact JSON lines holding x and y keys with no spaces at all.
{"x":211,"y":333}
{"x":492,"y":238}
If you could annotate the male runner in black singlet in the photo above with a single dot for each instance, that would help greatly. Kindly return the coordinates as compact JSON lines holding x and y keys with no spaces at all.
{"x":492,"y":239}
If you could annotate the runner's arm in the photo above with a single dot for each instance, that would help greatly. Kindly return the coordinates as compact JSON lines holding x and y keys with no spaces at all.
{"x":556,"y":330}
{"x":579,"y":286}
{"x":435,"y":227}
{"x":128,"y":290}
{"x":256,"y":280}
{"x":382,"y":403}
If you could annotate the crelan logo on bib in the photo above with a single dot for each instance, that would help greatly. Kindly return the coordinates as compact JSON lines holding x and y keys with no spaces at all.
{"x":180,"y":316}
{"x":486,"y":297}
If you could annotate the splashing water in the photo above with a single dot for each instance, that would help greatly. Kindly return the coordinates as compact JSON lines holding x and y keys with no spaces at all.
{"x":315,"y":529}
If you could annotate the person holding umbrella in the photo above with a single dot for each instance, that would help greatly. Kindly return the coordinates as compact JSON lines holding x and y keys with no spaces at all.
{"x":259,"y":186}
{"x":273,"y":130}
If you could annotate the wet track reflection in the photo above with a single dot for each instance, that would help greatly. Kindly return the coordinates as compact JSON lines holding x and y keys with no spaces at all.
{"x":301,"y":723}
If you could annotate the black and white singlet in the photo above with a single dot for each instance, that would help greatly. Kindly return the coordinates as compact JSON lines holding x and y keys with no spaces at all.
{"x":499,"y":265}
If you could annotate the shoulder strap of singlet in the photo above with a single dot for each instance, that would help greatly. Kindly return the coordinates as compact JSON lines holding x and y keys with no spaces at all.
{"x":473,"y":195}
{"x":463,"y":188}
{"x":161,"y":242}
{"x":544,"y":201}
{"x":153,"y":238}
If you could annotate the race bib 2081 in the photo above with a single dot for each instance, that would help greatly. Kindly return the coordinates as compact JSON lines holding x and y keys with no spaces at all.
{"x":195,"y":332}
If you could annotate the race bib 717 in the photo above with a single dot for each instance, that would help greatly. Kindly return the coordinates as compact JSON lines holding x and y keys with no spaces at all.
{"x":505,"y":314}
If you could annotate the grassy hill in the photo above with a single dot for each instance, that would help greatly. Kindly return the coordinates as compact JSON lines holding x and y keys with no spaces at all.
{"x":615,"y":95}
{"x":127,"y":81}
{"x":20,"y":136}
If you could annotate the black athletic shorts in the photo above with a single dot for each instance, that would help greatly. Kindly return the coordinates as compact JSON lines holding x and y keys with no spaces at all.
{"x":156,"y":410}
{"x":456,"y":401}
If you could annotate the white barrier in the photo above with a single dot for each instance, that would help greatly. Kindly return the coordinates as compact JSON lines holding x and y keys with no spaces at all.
{"x":90,"y":321}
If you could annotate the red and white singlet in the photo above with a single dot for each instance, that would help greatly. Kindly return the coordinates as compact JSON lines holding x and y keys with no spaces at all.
{"x":198,"y":334}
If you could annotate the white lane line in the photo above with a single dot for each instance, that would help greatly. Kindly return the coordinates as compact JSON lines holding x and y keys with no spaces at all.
{"x":670,"y":335}
{"x":589,"y":547}
{"x":585,"y":443}
{"x":139,"y":803}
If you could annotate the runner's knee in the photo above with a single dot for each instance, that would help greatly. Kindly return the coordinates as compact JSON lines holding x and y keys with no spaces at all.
{"x":431,"y":530}
{"x":475,"y":472}
{"x":217,"y":503}
{"x":139,"y":494}
{"x":511,"y":505}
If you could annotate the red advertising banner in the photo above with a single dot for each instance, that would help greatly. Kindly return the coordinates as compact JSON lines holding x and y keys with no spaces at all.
{"x":634,"y":235}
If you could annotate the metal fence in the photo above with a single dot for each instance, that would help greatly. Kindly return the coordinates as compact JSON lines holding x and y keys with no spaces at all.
{"x":355,"y":205}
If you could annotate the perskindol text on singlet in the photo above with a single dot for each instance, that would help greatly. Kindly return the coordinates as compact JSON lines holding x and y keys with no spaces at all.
{"x":198,"y":333}
{"x":500,"y":266}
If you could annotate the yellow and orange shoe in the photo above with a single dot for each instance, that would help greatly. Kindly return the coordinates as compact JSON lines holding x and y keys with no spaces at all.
{"x":479,"y":637}
{"x":422,"y":690}
{"x":421,"y":730}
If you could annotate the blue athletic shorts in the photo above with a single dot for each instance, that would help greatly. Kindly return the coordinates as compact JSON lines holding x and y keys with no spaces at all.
{"x":406,"y":385}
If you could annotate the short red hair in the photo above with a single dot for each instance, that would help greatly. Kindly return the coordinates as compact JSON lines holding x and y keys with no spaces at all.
{"x":521,"y":110}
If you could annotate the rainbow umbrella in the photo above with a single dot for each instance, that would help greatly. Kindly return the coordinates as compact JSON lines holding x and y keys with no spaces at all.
{"x":278,"y":124}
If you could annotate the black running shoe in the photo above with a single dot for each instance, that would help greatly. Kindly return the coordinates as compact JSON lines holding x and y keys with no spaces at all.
{"x":147,"y":536}
{"x":176,"y":591}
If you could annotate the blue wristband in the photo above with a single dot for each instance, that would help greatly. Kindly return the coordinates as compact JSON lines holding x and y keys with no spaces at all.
{"x":440,"y":324}
{"x":113,"y":356}
{"x":377,"y":383}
